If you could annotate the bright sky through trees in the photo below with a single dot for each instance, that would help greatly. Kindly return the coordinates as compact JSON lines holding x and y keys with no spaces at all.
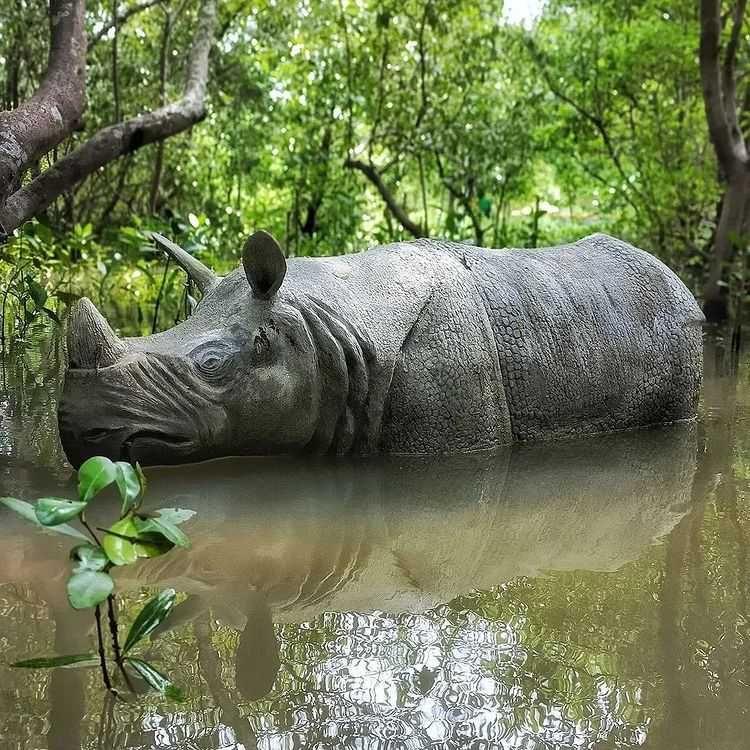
{"x":522,"y":11}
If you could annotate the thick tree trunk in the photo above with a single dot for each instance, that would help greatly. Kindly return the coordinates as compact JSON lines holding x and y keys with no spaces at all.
{"x":117,"y":140}
{"x":729,"y":237}
{"x":54,"y":110}
{"x":719,"y":79}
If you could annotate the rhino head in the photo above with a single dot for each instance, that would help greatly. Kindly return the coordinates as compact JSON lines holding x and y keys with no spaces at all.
{"x":239,"y":376}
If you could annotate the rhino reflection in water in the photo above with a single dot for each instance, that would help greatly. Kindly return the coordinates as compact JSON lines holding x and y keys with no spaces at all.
{"x":406,"y":534}
{"x":400,"y":534}
{"x":415,"y":348}
{"x":282,"y":542}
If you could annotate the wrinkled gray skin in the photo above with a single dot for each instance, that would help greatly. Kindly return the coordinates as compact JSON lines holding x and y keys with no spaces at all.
{"x":419,"y":347}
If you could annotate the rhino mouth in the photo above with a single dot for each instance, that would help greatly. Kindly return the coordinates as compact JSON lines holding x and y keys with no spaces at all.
{"x":145,"y":446}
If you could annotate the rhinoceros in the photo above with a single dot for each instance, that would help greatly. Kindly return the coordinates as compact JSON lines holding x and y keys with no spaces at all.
{"x":420,"y":347}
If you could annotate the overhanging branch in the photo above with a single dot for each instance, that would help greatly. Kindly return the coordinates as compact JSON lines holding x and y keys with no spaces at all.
{"x":122,"y":138}
{"x":398,"y":211}
{"x":729,"y":80}
{"x":54,"y":110}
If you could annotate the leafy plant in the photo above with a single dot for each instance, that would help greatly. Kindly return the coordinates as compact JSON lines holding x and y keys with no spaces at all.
{"x":136,"y":534}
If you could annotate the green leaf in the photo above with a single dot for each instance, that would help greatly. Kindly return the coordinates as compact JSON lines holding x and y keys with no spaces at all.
{"x":94,"y":475}
{"x":52,"y":511}
{"x":89,"y":588}
{"x":175,"y":516}
{"x":152,"y":545}
{"x":36,"y":291}
{"x":129,"y":484}
{"x":123,"y":545}
{"x":74,"y":661}
{"x":141,"y":478}
{"x":156,"y":679}
{"x":485,"y":205}
{"x":26,"y":510}
{"x":88,"y":557}
{"x":152,"y":615}
{"x":121,"y":551}
{"x":163,"y":528}
{"x":51,"y":314}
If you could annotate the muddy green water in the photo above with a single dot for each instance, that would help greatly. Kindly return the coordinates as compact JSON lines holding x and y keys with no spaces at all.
{"x":590,"y":594}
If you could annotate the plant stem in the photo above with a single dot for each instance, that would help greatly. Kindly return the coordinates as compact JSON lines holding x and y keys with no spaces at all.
{"x":116,"y":641}
{"x":157,"y":304}
{"x":102,"y":655}
{"x":127,"y":538}
{"x":88,"y":528}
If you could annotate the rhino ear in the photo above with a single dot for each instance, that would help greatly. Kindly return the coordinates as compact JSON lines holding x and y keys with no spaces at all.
{"x":264,"y":263}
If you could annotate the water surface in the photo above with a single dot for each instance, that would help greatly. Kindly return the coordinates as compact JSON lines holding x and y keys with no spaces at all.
{"x":589,"y":594}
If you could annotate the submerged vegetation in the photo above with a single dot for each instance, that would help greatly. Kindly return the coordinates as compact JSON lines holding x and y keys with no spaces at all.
{"x":137,"y":534}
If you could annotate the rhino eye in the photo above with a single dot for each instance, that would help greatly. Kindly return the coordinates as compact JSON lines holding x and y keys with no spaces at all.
{"x":213,"y":361}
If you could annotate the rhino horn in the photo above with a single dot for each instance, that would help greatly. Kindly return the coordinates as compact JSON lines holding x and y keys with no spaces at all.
{"x":91,"y":341}
{"x":264,"y":264}
{"x":203,"y":277}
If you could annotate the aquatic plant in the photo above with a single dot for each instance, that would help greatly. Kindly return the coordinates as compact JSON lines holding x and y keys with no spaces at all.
{"x":135,"y":535}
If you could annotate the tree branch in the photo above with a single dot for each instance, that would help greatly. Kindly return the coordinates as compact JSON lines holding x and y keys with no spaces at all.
{"x":122,"y":138}
{"x":379,"y":98}
{"x":463,"y":198}
{"x":398,"y":211}
{"x":166,"y":36}
{"x":119,"y":20}
{"x":424,"y":103}
{"x":115,"y":68}
{"x":596,"y":120}
{"x":349,"y":97}
{"x":716,"y":114}
{"x":729,"y":81}
{"x":54,"y":110}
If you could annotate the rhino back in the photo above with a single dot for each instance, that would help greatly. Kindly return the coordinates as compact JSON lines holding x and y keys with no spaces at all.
{"x":592,"y":336}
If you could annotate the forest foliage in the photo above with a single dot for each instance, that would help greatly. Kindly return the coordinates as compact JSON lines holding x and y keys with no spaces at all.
{"x":339,"y":125}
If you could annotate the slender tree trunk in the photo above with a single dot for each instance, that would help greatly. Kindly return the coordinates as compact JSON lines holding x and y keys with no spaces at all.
{"x":153,"y":200}
{"x":729,"y":237}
